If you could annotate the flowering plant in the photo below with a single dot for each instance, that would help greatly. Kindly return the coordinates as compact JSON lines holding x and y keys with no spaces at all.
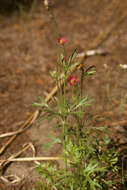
{"x":87,"y":160}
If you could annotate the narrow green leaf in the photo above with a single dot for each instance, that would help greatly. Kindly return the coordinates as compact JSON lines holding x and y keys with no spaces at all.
{"x":84,"y":101}
{"x":91,"y":72}
{"x":89,"y":68}
{"x":72,"y":57}
{"x":99,"y":128}
{"x":73,"y":66}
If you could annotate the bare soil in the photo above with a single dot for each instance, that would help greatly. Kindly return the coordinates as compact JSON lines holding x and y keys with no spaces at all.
{"x":28,"y":51}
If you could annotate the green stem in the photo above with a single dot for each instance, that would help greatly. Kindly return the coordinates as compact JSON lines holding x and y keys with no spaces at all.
{"x":54,"y":20}
{"x":82,"y":79}
{"x":65,"y":142}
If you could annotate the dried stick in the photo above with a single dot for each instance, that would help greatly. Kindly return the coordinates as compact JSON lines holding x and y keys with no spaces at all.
{"x":10,"y":133}
{"x":7,"y":161}
{"x":29,"y":159}
{"x":13,"y":179}
{"x":29,"y":122}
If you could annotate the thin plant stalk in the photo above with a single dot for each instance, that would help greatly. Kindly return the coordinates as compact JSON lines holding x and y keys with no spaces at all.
{"x":65,"y":141}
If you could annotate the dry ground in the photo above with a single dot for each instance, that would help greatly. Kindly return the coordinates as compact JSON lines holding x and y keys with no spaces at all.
{"x":28,"y":52}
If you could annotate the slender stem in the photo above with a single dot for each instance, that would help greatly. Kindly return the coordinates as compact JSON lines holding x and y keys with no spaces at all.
{"x":54,"y":20}
{"x":65,"y":142}
{"x":122,"y":171}
{"x":82,"y":79}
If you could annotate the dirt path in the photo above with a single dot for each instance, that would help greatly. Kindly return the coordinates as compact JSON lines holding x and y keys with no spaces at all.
{"x":28,"y":52}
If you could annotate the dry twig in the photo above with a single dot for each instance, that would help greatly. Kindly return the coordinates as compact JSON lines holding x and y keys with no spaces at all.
{"x":28,"y":123}
{"x":29,"y":159}
{"x":3,"y":163}
{"x":11,"y":179}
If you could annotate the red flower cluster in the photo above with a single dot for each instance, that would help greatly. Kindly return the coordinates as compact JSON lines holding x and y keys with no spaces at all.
{"x":72,"y":80}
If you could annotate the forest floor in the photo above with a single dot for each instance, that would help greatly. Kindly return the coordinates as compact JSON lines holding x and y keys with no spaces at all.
{"x":28,"y":51}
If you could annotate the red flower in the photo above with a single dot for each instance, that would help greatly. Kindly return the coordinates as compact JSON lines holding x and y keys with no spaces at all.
{"x":73,"y":80}
{"x":62,"y":40}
